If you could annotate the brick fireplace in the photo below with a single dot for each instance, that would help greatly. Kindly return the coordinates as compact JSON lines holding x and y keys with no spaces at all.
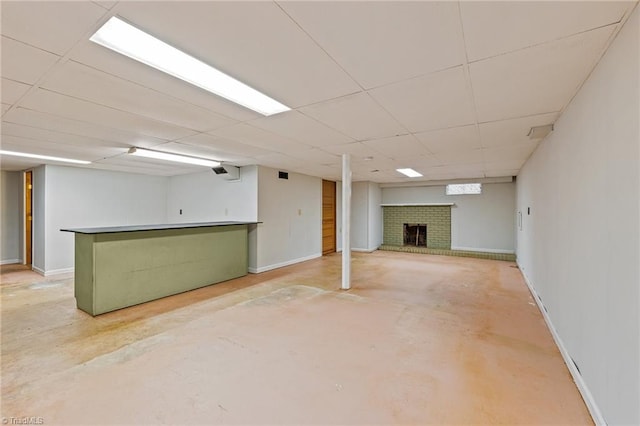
{"x":417,"y":225}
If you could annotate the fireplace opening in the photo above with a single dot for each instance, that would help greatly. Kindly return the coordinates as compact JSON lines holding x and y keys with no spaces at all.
{"x":415,"y":234}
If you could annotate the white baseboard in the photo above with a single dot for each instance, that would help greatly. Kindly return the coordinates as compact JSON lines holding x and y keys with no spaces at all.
{"x":485,"y":250}
{"x":283,"y":264}
{"x":589,"y":401}
{"x":53,"y":271}
{"x":10,"y":261}
{"x":359,"y":250}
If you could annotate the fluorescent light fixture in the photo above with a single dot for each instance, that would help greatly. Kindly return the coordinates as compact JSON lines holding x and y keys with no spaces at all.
{"x":173,"y":157}
{"x":409,"y":172}
{"x":43,"y":157}
{"x":128,"y":40}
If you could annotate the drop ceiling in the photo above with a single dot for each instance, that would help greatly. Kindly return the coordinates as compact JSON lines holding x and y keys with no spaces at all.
{"x":450,"y":89}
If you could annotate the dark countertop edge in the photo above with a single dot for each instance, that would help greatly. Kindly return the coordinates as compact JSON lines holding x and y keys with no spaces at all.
{"x":137,"y":228}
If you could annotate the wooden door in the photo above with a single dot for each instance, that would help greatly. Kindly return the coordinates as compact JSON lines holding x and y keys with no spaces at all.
{"x":28,"y":215}
{"x":328,"y":217}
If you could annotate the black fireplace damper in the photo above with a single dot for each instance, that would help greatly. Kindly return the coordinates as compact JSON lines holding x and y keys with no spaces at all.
{"x":415,"y":235}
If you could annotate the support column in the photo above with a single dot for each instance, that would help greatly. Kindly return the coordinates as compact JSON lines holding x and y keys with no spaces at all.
{"x":346,"y":221}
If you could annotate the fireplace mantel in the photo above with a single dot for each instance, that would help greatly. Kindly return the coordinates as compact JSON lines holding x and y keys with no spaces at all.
{"x":417,"y":204}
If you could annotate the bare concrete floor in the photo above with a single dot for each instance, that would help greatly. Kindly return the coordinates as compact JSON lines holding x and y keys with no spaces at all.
{"x":419,"y":339}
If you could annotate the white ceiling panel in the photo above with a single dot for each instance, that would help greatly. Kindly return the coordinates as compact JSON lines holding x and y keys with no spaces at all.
{"x":54,"y":26}
{"x":453,"y":139}
{"x":5,"y":108}
{"x":254,"y":136}
{"x":12,"y":90}
{"x":316,"y":156}
{"x":434,"y":101}
{"x":297,"y":126}
{"x":65,"y":106}
{"x":18,"y":130}
{"x":510,"y":153}
{"x":513,"y":25}
{"x":135,"y":164}
{"x":463,"y":156}
{"x":494,"y":167}
{"x":537,"y":80}
{"x":86,"y":83}
{"x":40,"y":147}
{"x":51,"y":122}
{"x":24,"y":63}
{"x":357,"y":116}
{"x":358,"y":151}
{"x":106,"y":60}
{"x":501,"y":172}
{"x":514,"y":131}
{"x":398,"y":147}
{"x":376,"y":41}
{"x":226,"y":146}
{"x":277,"y":161}
{"x":106,"y":4}
{"x":256,"y":42}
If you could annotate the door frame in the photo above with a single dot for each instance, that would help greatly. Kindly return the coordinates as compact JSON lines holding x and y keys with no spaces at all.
{"x":335,"y":218}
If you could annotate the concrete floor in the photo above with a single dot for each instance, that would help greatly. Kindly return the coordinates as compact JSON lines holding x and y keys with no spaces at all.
{"x":419,"y":339}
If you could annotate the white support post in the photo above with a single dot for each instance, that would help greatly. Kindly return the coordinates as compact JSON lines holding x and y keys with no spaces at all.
{"x":346,"y":221}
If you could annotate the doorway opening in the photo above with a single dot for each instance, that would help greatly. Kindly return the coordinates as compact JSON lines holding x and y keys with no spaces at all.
{"x":28,"y":217}
{"x":328,"y":217}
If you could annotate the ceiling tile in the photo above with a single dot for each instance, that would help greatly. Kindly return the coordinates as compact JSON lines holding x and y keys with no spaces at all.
{"x":537,"y":80}
{"x":135,"y":164}
{"x":316,"y":156}
{"x":513,"y":131}
{"x":453,"y":139}
{"x":295,"y":125}
{"x":505,"y":26}
{"x":106,"y":4}
{"x":434,"y":101}
{"x":51,"y":122}
{"x":24,"y":63}
{"x":40,"y":147}
{"x":65,"y":106}
{"x":276,"y":161}
{"x":398,"y":147}
{"x":376,"y":41}
{"x":510,"y":153}
{"x":462,"y":156}
{"x":357,"y":116}
{"x":86,"y":83}
{"x":18,"y":130}
{"x":256,"y":42}
{"x":501,"y":172}
{"x":358,"y":151}
{"x":54,"y":26}
{"x":13,"y":90}
{"x":5,"y":108}
{"x":224,"y":146}
{"x":254,"y":136}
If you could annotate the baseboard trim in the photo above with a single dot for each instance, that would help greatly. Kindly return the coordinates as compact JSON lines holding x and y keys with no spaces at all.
{"x":483,"y":250}
{"x":283,"y":264}
{"x":10,"y":261}
{"x":360,"y":250}
{"x":53,"y":271}
{"x":588,"y":398}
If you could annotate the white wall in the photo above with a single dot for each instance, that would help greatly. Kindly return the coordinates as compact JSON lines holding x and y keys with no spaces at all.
{"x":580,"y":246}
{"x":291,"y":212}
{"x":11,"y":208}
{"x":78,"y":198}
{"x":366,"y":216}
{"x":484,"y":222}
{"x":206,"y":197}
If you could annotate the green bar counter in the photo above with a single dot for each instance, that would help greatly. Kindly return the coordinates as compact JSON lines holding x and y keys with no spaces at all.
{"x":122,"y":266}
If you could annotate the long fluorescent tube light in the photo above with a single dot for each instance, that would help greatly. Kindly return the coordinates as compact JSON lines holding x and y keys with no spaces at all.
{"x":43,"y":157}
{"x":128,"y":40}
{"x":409,"y":172}
{"x":173,"y":157}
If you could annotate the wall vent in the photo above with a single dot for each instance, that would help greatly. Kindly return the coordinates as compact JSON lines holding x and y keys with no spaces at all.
{"x":283,"y":175}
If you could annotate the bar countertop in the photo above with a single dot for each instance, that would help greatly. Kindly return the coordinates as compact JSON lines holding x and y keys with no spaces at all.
{"x":134,"y":228}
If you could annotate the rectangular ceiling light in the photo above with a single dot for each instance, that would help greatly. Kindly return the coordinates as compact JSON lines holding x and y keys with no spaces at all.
{"x":128,"y":40}
{"x":173,"y":157}
{"x":43,"y":157}
{"x":409,"y":172}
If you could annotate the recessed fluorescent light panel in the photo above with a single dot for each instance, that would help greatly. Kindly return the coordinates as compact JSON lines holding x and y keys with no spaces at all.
{"x":128,"y":40}
{"x":173,"y":157}
{"x":409,"y":172}
{"x":43,"y":157}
